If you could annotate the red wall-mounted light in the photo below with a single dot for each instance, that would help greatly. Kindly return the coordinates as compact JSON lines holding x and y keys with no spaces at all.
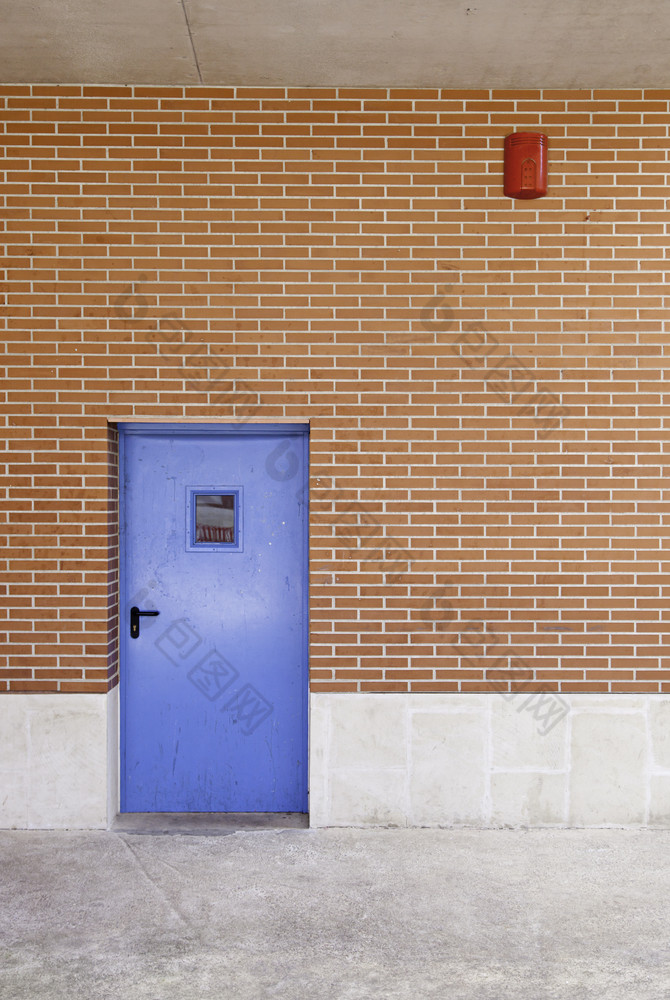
{"x":525,"y":174}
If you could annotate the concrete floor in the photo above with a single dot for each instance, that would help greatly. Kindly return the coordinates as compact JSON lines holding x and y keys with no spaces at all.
{"x":335,"y":915}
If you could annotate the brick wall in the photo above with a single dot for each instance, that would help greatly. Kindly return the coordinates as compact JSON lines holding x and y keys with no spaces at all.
{"x":484,"y":378}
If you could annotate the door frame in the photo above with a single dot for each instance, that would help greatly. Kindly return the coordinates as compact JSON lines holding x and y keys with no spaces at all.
{"x":297,"y":429}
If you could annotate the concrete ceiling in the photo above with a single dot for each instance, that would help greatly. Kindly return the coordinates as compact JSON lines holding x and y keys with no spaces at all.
{"x":378,"y":43}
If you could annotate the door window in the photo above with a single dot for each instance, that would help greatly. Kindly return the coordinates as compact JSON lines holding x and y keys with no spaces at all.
{"x":214,"y":519}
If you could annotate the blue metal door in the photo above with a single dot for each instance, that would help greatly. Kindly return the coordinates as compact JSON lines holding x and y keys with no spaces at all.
{"x":214,"y":686}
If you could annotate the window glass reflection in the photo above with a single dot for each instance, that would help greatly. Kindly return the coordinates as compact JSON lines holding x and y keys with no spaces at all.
{"x":215,"y":518}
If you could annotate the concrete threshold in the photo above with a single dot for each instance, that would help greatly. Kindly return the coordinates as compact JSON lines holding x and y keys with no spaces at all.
{"x":206,"y":824}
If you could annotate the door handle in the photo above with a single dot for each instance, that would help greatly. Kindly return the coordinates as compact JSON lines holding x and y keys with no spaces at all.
{"x":135,"y":615}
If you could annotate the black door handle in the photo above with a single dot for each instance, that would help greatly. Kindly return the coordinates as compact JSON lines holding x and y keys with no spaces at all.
{"x":135,"y":615}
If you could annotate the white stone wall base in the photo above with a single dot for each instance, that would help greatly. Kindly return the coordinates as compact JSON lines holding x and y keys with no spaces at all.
{"x":54,"y":765}
{"x":471,"y":760}
{"x":489,"y":760}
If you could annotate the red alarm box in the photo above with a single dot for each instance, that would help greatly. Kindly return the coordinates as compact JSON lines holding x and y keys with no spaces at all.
{"x":525,"y":165}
